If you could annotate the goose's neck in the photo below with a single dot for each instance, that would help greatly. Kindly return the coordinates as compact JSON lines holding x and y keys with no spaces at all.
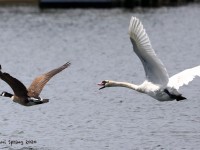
{"x":124,"y":84}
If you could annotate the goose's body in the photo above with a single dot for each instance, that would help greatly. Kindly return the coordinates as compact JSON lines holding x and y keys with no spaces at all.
{"x":157,"y":84}
{"x":30,"y":96}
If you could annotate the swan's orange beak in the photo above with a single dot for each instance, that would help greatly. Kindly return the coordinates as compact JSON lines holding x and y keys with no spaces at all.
{"x":102,"y":85}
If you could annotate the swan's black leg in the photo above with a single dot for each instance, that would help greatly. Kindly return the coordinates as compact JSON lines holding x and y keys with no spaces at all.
{"x":173,"y":96}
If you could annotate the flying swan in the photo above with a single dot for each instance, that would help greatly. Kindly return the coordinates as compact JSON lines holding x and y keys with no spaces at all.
{"x":157,"y":84}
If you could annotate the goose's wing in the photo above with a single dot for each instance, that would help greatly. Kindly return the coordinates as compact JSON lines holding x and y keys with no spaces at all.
{"x":18,"y":87}
{"x":184,"y":77}
{"x":154,"y":69}
{"x":39,"y":82}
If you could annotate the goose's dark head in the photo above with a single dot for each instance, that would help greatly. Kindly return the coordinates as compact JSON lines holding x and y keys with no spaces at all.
{"x":6,"y":94}
{"x":103,"y":84}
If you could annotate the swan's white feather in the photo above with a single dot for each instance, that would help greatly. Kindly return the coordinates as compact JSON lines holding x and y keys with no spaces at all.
{"x":184,"y":77}
{"x":154,"y":68}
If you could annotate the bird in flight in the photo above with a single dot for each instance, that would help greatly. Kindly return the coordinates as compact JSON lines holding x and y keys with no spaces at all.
{"x":29,"y":96}
{"x":157,"y":84}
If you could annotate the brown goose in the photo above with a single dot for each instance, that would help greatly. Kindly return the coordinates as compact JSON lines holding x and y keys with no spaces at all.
{"x":30,"y":96}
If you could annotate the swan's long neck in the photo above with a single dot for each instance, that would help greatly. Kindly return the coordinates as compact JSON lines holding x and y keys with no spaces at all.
{"x":124,"y":84}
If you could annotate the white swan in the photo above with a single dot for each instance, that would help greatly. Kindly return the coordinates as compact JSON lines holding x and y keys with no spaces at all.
{"x":157,"y":84}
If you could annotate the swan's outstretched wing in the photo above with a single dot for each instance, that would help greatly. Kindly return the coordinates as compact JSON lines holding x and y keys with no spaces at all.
{"x":154,"y":68}
{"x":184,"y":77}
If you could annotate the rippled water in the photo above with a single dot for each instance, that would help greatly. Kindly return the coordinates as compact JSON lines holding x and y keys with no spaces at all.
{"x":79,"y":116}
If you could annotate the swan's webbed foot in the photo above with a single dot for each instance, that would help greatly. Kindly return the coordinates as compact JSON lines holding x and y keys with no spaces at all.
{"x":173,"y":96}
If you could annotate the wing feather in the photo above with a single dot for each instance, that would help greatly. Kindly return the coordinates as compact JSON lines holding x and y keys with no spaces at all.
{"x":18,"y":87}
{"x":184,"y":77}
{"x":154,"y":69}
{"x":39,"y":82}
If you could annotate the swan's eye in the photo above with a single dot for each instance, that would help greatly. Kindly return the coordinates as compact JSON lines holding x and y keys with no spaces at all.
{"x":104,"y":82}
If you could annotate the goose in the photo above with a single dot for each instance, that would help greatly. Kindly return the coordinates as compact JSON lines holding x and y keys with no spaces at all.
{"x":30,"y":96}
{"x":157,"y":83}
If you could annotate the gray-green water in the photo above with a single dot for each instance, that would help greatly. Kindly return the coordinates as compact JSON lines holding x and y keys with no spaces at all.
{"x":79,"y":116}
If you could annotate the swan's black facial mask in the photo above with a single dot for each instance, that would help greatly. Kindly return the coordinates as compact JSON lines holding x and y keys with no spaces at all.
{"x":103,"y":84}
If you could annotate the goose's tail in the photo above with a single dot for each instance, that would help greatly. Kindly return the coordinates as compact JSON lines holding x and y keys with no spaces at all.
{"x":45,"y":100}
{"x":36,"y":101}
